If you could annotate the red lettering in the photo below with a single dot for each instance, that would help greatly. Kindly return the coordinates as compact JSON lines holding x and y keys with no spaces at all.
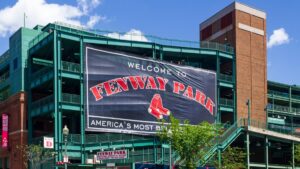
{"x":122,"y":84}
{"x":189,"y":92}
{"x":210,"y":105}
{"x":177,"y":87}
{"x":97,"y":91}
{"x":151,"y":83}
{"x":162,"y":83}
{"x":137,"y":82}
{"x":109,"y":87}
{"x":200,"y":97}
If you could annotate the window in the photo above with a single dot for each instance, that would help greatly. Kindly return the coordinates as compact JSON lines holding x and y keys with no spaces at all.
{"x":226,"y":20}
{"x":15,"y":63}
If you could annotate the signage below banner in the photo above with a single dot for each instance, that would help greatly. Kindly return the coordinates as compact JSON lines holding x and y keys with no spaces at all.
{"x":116,"y":154}
{"x":4,"y":141}
{"x":48,"y":142}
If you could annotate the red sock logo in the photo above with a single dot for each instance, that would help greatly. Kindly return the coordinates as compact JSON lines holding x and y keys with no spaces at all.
{"x":156,"y":107}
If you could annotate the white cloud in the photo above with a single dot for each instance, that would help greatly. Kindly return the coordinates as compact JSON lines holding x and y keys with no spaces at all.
{"x":40,"y":12}
{"x":133,"y":34}
{"x":278,"y":37}
{"x":93,"y":20}
{"x":87,"y":5}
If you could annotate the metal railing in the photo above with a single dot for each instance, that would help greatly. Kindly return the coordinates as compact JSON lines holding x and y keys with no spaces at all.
{"x":276,"y":93}
{"x":41,"y":72}
{"x":295,"y":97}
{"x":4,"y":76}
{"x":70,"y":67}
{"x":41,"y":102}
{"x":134,"y":36}
{"x":284,"y":109}
{"x":4,"y":57}
{"x":225,"y":77}
{"x":225,"y":102}
{"x":70,"y":98}
{"x":37,"y":39}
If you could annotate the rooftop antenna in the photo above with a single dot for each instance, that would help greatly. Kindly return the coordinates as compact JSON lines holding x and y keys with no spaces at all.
{"x":25,"y":19}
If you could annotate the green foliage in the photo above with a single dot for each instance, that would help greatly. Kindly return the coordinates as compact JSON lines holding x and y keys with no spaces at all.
{"x":191,"y":142}
{"x":297,"y":154}
{"x":232,"y":158}
{"x":35,"y":154}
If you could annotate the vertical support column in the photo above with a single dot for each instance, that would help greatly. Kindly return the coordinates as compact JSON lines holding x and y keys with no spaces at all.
{"x":29,"y":100}
{"x":161,"y":54}
{"x":155,"y":151}
{"x":219,"y":158}
{"x":82,"y":115}
{"x":290,"y":100}
{"x":267,"y":151}
{"x":293,"y":154}
{"x":154,"y":51}
{"x":59,"y":91}
{"x":55,"y":81}
{"x":218,"y":113}
{"x":248,"y":150}
{"x":234,"y":90}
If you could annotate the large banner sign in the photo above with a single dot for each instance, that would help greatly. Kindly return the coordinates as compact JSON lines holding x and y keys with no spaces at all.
{"x":127,"y":93}
{"x":4,"y":141}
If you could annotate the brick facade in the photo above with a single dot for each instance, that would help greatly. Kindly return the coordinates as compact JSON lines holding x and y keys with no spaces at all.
{"x":15,"y":107}
{"x":250,"y":50}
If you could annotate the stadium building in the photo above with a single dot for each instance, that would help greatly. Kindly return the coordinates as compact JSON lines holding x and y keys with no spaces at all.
{"x":48,"y":78}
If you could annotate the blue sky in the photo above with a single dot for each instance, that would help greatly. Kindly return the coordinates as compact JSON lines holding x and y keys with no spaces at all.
{"x":175,"y":19}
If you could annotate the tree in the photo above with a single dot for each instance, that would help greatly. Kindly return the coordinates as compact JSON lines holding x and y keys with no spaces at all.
{"x":35,"y":154}
{"x":297,"y":154}
{"x":232,"y":158}
{"x":191,"y":142}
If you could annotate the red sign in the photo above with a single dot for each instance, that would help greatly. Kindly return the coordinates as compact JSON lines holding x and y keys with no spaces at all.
{"x":4,"y":131}
{"x":117,"y":154}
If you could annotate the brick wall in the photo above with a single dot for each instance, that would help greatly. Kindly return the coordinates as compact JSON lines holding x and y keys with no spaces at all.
{"x":15,"y":107}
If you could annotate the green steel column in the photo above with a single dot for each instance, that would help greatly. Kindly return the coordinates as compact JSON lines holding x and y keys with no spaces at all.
{"x":153,"y":51}
{"x":267,"y":151}
{"x":59,"y":92}
{"x":162,"y":155}
{"x":293,"y":154}
{"x":161,"y":54}
{"x":55,"y":81}
{"x":290,"y":99}
{"x":218,"y":113}
{"x":248,"y":150}
{"x":155,"y":151}
{"x":82,"y":114}
{"x":234,"y":90}
{"x":219,"y":158}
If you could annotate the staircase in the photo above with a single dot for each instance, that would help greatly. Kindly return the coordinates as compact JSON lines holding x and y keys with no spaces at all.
{"x":223,"y":141}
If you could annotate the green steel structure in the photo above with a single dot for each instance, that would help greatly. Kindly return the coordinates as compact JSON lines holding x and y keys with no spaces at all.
{"x":48,"y":64}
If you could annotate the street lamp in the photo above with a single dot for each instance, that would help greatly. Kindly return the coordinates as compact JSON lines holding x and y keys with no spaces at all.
{"x":65,"y":134}
{"x":170,"y":148}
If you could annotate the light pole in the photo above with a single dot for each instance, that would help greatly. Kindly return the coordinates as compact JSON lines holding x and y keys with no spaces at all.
{"x":65,"y":134}
{"x":170,"y":148}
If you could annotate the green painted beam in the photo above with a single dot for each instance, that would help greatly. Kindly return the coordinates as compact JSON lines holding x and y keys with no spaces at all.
{"x":70,"y":75}
{"x":42,"y":62}
{"x":226,"y":55}
{"x":226,"y":84}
